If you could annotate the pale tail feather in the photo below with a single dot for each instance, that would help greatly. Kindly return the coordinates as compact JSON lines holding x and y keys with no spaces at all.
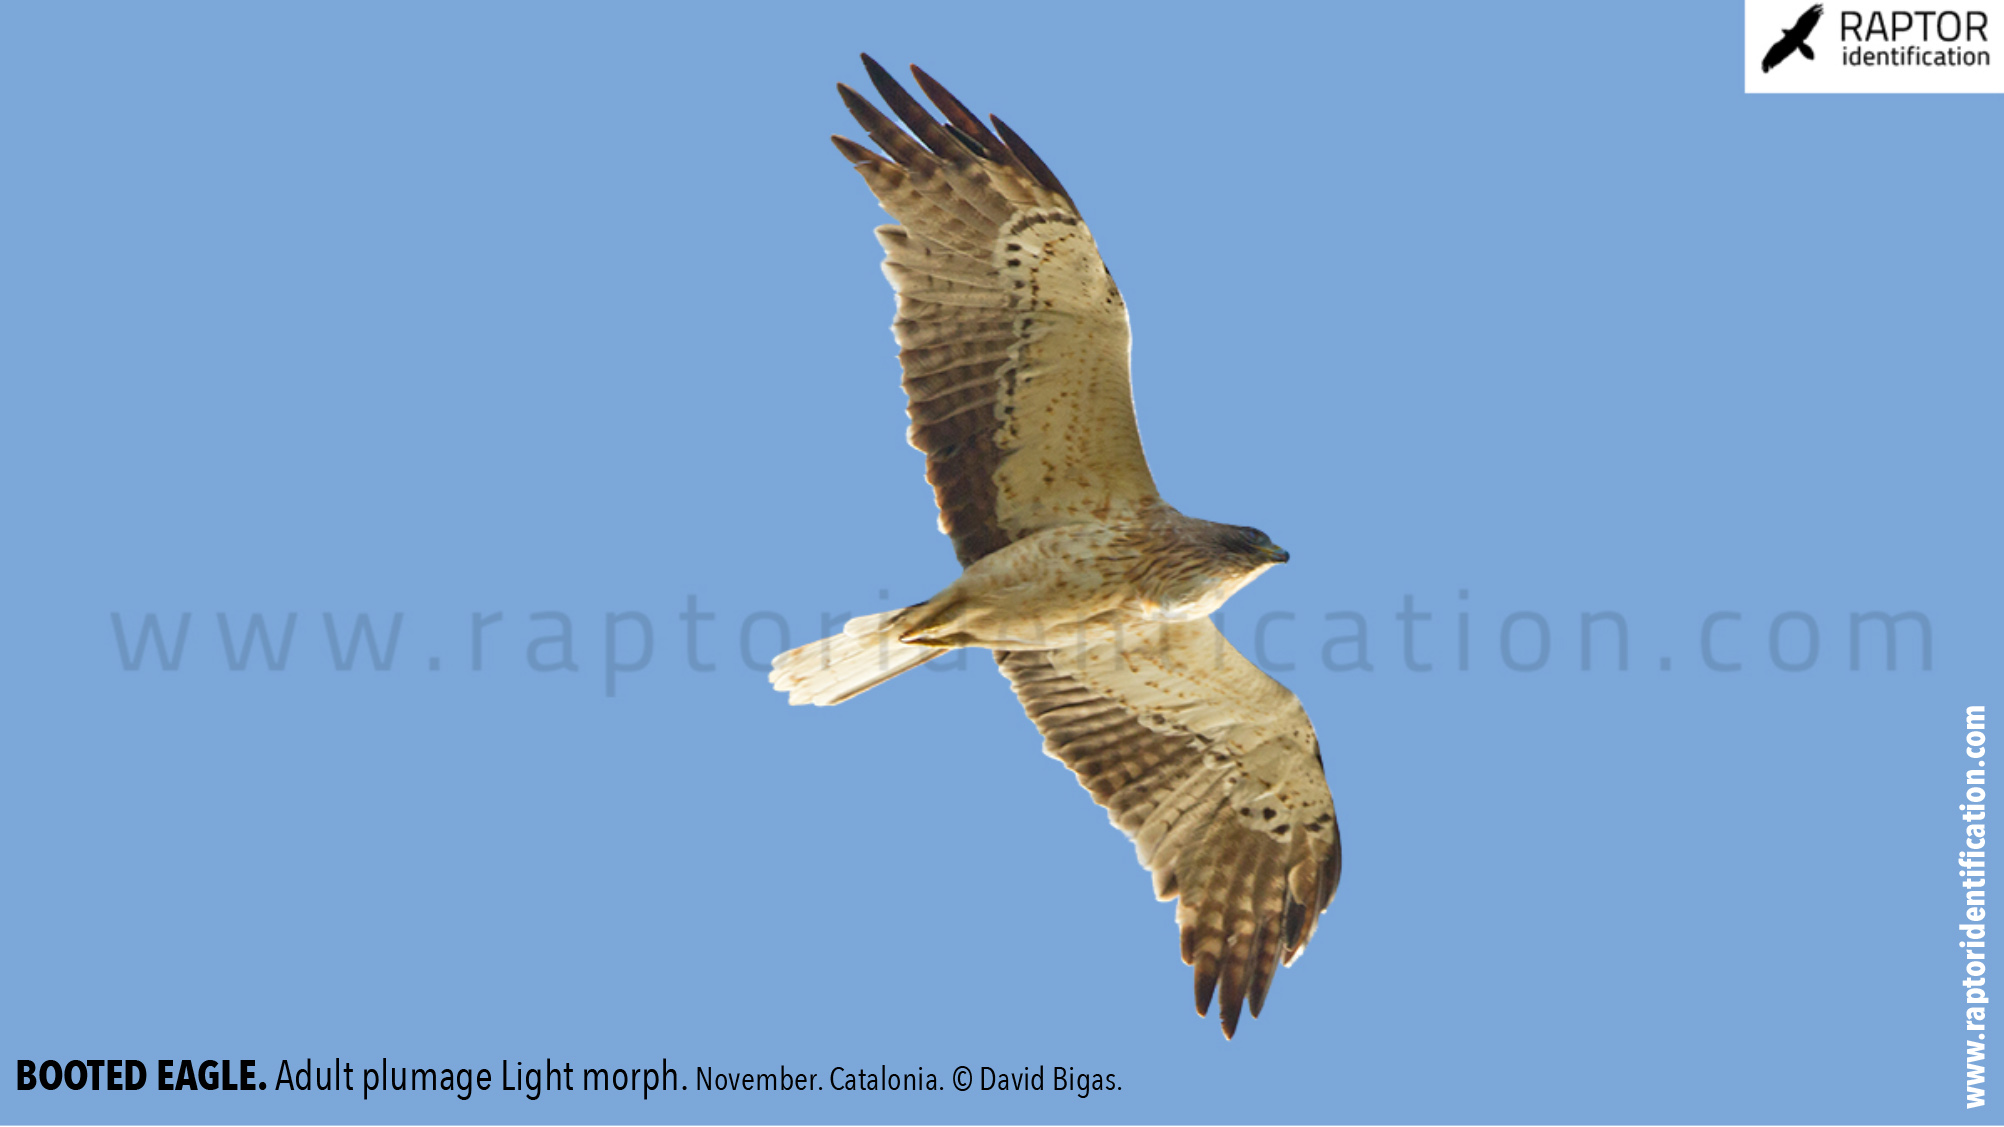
{"x":865,"y":654}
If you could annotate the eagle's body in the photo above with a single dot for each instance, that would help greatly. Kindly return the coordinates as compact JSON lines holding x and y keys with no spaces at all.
{"x":1089,"y":577}
{"x":1092,"y":591}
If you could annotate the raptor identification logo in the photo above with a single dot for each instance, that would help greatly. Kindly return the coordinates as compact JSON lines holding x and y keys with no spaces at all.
{"x":1796,"y":47}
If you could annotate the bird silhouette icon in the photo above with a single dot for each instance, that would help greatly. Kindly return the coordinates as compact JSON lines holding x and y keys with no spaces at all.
{"x":1793,"y":39}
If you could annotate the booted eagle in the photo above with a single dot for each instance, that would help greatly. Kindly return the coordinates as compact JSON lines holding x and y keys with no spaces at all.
{"x":1092,"y":592}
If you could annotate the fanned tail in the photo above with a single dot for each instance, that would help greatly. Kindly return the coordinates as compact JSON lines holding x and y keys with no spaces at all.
{"x":865,"y":654}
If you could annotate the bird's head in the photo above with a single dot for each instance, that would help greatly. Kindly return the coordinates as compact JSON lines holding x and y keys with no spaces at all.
{"x":1249,"y":547}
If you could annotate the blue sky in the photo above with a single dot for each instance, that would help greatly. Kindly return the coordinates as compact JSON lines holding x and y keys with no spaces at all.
{"x":458,"y":311}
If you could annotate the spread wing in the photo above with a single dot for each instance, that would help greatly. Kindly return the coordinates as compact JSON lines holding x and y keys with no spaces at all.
{"x":1013,"y":337}
{"x":1776,"y":53}
{"x":1212,"y":768}
{"x":1807,"y":23}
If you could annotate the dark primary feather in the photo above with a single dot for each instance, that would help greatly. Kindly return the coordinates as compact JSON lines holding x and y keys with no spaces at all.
{"x":922,"y":124}
{"x":985,"y":144}
{"x":1807,"y":23}
{"x":1029,"y":158}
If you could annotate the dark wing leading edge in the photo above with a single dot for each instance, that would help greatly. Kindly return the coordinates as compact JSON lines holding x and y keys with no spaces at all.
{"x":1806,"y":24}
{"x":1776,"y":53}
{"x":1013,"y":337}
{"x":1212,"y":768}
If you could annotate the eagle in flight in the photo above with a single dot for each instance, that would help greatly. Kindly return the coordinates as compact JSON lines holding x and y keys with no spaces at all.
{"x":1092,"y":592}
{"x":1793,"y":39}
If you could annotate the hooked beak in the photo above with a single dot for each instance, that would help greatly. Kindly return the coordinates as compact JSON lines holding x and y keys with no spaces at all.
{"x":1276,"y":553}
